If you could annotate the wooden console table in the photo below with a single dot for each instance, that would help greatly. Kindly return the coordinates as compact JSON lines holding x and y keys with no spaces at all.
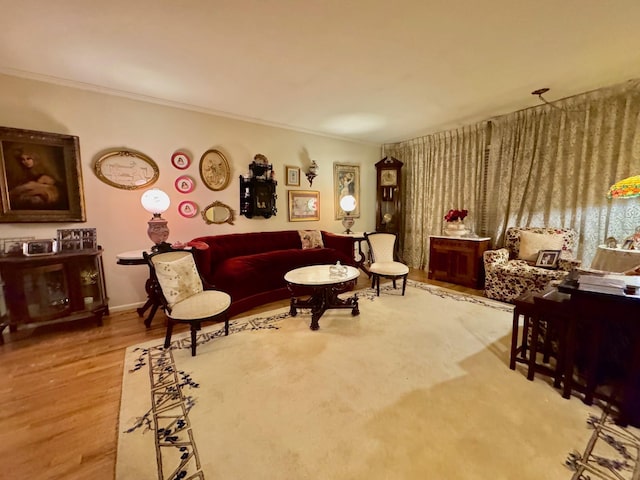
{"x":604,"y":333}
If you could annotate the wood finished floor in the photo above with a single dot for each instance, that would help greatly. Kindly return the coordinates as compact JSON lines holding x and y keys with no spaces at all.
{"x":60,"y":393}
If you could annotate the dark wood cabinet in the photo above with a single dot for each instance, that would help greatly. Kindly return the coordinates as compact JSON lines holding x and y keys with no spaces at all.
{"x":258,"y":190}
{"x":457,"y":260}
{"x":67,"y":285}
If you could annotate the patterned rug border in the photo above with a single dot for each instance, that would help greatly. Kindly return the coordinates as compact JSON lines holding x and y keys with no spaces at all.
{"x":618,"y":452}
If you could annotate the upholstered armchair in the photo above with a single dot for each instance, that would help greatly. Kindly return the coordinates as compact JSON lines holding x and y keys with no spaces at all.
{"x":511,"y":271}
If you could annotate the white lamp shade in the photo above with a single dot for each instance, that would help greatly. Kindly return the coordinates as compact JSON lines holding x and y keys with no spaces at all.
{"x":155,"y":201}
{"x":348,"y":203}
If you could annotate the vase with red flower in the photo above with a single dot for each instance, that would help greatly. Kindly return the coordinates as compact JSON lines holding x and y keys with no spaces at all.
{"x":454,"y":226}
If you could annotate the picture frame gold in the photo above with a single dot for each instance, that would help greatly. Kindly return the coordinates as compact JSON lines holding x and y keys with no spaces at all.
{"x":214,"y":170}
{"x":304,"y":205}
{"x":126,"y":169}
{"x":40,"y":177}
{"x":346,"y":181}
{"x":292,"y":176}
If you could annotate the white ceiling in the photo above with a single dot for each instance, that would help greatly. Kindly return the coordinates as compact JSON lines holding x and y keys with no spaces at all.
{"x":370,"y":70}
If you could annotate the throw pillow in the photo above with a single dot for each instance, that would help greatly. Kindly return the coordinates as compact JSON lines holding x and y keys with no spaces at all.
{"x":311,"y":239}
{"x":178,"y":277}
{"x":531,"y":243}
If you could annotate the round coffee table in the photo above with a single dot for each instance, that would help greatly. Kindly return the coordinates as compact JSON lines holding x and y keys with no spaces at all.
{"x":323,"y":288}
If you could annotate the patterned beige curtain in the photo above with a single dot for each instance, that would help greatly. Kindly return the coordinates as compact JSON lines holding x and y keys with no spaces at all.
{"x":552,"y":166}
{"x":441,"y":172}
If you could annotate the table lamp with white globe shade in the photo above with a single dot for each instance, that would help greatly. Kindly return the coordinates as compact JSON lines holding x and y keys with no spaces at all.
{"x":348,"y":205}
{"x":156,"y":202}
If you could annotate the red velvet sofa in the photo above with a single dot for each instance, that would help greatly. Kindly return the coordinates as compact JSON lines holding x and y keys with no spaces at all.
{"x":250,"y":267}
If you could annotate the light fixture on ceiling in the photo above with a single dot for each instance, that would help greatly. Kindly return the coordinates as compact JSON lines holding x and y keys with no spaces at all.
{"x":541,"y":91}
{"x":312,"y":172}
{"x":348,"y":205}
{"x":156,"y":202}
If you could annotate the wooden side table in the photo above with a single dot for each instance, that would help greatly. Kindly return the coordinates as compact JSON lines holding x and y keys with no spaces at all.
{"x":457,"y":260}
{"x":359,"y":253}
{"x":135,"y":257}
{"x":546,"y":316}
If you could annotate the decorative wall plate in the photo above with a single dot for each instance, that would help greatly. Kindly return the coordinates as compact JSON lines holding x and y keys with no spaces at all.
{"x":188,"y":209}
{"x":126,"y":169}
{"x":214,"y":170}
{"x":180,"y":160}
{"x":185,"y":184}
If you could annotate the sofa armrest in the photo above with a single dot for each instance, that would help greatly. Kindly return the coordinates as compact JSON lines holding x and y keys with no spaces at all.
{"x":495,"y":257}
{"x":568,"y":264}
{"x":341,"y":243}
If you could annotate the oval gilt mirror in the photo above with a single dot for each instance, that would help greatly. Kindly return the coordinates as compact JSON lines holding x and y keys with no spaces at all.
{"x":218,"y":212}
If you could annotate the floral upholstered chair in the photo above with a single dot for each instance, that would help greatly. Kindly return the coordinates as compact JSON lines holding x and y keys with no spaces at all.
{"x":511,"y":271}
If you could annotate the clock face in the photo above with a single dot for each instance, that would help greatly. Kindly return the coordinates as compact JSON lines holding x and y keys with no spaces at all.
{"x":388,"y":178}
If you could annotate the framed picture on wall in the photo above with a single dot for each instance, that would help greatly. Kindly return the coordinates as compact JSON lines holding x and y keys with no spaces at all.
{"x":293,"y":176}
{"x":214,"y":170}
{"x":40,"y":177}
{"x":126,"y":169}
{"x":304,"y":205}
{"x":346,"y":181}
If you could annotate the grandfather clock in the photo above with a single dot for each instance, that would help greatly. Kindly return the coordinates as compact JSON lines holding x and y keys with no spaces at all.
{"x":388,"y":203}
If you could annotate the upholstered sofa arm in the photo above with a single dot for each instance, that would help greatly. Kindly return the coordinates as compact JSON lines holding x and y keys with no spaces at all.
{"x":340,"y":243}
{"x":568,"y":264}
{"x":495,"y":257}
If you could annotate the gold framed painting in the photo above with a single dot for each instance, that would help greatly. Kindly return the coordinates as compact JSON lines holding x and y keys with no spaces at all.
{"x":346,"y":181}
{"x":304,"y":205}
{"x":40,"y":177}
{"x":214,"y":170}
{"x":126,"y":169}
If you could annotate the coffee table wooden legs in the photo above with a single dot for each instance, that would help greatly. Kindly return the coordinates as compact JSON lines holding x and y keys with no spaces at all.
{"x":323,"y":298}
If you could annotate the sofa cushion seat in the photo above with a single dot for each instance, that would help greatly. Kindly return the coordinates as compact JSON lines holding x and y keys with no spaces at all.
{"x":246,"y":275}
{"x":524,"y":269}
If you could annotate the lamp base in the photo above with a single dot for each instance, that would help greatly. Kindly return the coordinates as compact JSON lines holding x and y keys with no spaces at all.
{"x":347,"y":223}
{"x":158,"y":230}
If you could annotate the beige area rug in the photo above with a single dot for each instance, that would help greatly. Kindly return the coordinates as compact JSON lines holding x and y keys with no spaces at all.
{"x":415,"y":387}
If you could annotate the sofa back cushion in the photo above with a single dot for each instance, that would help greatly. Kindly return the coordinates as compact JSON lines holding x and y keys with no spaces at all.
{"x":568,"y":243}
{"x":531,"y":243}
{"x":222,"y":247}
